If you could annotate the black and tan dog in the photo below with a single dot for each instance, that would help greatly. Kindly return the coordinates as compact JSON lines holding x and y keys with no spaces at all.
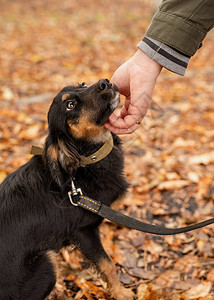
{"x":36,"y":216}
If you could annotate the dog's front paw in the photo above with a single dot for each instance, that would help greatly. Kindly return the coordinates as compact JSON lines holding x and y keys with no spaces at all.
{"x":121,"y":293}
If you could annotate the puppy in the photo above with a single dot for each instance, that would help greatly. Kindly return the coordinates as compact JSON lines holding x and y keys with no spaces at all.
{"x":37,"y":218}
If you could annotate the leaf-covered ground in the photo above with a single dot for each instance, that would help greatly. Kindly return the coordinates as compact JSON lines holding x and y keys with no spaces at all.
{"x":46,"y":45}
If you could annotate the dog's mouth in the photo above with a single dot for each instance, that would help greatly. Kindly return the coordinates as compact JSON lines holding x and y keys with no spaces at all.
{"x":108,"y":98}
{"x":115,"y":101}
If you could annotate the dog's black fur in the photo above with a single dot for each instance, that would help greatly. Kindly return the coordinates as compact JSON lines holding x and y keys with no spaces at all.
{"x":36,"y":216}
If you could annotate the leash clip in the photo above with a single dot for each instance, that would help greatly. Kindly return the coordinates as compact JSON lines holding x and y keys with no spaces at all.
{"x":74,"y":193}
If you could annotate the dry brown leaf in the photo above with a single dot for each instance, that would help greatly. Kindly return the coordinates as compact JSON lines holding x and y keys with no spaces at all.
{"x":210,"y":276}
{"x":200,"y":290}
{"x":71,"y":258}
{"x":152,"y":247}
{"x":141,"y":273}
{"x":2,"y":175}
{"x":167,"y":279}
{"x":204,"y":159}
{"x":146,"y":292}
{"x":204,"y":186}
{"x":186,"y":263}
{"x":182,"y":143}
{"x":193,"y":177}
{"x":173,"y":184}
{"x":88,"y":289}
{"x":141,"y":291}
{"x":31,"y":132}
{"x":172,"y":176}
{"x":36,"y":58}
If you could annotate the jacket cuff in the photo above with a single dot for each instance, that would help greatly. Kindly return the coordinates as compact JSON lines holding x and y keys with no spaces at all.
{"x":176,"y":32}
{"x":165,"y":55}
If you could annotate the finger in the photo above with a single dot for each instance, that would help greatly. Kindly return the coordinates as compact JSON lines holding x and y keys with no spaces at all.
{"x":128,"y":120}
{"x":130,"y":115}
{"x":123,"y":112}
{"x":117,"y":130}
{"x":113,"y":118}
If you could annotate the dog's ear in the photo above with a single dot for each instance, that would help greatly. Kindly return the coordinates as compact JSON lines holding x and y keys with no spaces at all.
{"x":62,"y":159}
{"x":69,"y":157}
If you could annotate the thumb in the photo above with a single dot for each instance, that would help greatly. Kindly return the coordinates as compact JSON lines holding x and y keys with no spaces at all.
{"x":121,"y":79}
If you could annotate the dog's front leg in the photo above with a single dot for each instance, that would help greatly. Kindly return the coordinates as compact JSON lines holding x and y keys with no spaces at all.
{"x":108,"y":270}
{"x":89,"y":244}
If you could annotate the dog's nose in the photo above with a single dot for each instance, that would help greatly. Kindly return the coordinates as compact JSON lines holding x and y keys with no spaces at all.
{"x":104,"y":84}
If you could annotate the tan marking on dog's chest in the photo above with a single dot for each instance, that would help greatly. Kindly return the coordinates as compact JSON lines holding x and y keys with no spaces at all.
{"x":51,"y":255}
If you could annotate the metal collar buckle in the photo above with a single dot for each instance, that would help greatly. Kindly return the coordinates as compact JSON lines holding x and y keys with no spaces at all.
{"x":74,"y":192}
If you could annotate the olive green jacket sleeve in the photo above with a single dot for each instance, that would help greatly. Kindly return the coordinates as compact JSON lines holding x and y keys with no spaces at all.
{"x":182,"y":24}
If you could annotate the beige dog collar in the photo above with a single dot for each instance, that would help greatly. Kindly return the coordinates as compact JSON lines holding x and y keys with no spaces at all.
{"x":91,"y":159}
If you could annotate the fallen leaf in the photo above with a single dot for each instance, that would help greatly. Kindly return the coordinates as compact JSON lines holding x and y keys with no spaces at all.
{"x":168,"y":278}
{"x":210,"y":276}
{"x":141,"y":273}
{"x":193,"y":177}
{"x":182,"y":143}
{"x":187,"y":263}
{"x":31,"y":132}
{"x":146,"y":292}
{"x":173,"y":184}
{"x":200,"y":290}
{"x":2,"y":176}
{"x":36,"y":58}
{"x":205,"y":158}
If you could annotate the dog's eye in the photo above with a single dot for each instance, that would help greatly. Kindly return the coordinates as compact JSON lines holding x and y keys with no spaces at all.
{"x":70,"y":105}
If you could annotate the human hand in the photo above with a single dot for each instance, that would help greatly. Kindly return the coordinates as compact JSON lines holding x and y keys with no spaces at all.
{"x":136,"y":80}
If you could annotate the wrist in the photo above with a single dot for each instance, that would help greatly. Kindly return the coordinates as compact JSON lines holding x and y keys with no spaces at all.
{"x":164,"y":55}
{"x":146,"y":63}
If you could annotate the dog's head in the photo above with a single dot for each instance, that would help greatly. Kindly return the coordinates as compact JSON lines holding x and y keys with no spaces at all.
{"x":82,"y":111}
{"x":76,"y":122}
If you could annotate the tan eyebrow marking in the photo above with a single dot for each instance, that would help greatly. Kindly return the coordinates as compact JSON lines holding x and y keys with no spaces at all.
{"x":65,"y":97}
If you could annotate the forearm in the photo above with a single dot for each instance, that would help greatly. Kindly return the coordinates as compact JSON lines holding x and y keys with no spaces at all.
{"x":177,"y":31}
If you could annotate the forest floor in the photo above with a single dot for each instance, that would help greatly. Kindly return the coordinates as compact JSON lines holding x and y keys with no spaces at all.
{"x":169,"y":161}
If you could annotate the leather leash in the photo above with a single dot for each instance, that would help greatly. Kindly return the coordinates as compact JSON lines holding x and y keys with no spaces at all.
{"x":78,"y":199}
